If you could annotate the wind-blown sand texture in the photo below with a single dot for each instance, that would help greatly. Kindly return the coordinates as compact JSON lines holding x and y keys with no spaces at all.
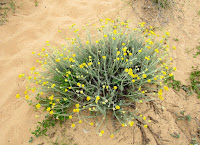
{"x":30,"y":27}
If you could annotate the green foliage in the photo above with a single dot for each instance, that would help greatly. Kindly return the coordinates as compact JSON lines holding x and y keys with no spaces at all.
{"x":195,"y":81}
{"x":194,"y":142}
{"x":184,"y":117}
{"x":43,"y":126}
{"x":100,"y":75}
{"x":198,"y":51}
{"x":187,"y":89}
{"x":198,"y":13}
{"x":3,"y":16}
{"x":36,"y":3}
{"x":175,"y":39}
{"x":31,"y":139}
{"x":172,"y":83}
{"x":12,"y":5}
{"x":163,"y":3}
{"x":4,"y":8}
{"x":175,"y":135}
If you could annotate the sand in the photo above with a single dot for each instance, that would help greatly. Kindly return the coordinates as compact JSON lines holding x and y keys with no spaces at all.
{"x":30,"y":27}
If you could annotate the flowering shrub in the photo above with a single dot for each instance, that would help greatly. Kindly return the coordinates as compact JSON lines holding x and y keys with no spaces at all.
{"x":102,"y":75}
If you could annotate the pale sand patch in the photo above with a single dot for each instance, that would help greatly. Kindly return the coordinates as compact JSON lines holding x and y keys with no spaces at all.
{"x":30,"y":27}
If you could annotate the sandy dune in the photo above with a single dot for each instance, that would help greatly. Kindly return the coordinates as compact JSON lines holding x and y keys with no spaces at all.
{"x":30,"y":27}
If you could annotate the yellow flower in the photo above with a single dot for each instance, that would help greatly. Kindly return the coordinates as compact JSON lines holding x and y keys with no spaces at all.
{"x":104,"y":57}
{"x":111,"y":135}
{"x":131,"y":123}
{"x":174,"y":68}
{"x":166,"y":88}
{"x":71,"y":59}
{"x":80,"y":121}
{"x":156,"y":50}
{"x":90,"y":63}
{"x":36,"y":116}
{"x":66,"y":90}
{"x":102,"y":132}
{"x":51,"y":112}
{"x":77,"y":105}
{"x":123,"y":125}
{"x":38,"y":106}
{"x":33,"y":68}
{"x":78,"y":84}
{"x":48,"y":109}
{"x":144,"y":118}
{"x":87,"y":42}
{"x":88,"y":98}
{"x":77,"y":110}
{"x":113,"y":38}
{"x":17,"y":96}
{"x":147,"y":58}
{"x":123,"y":44}
{"x":83,"y":85}
{"x":118,"y":52}
{"x":91,"y":123}
{"x":115,"y":87}
{"x":145,"y":126}
{"x":52,"y":86}
{"x":81,"y":66}
{"x":27,"y":97}
{"x":115,"y":31}
{"x":97,"y":98}
{"x":117,"y":107}
{"x":58,"y":60}
{"x":21,"y":75}
{"x":174,"y":47}
{"x":126,"y":70}
{"x":149,"y":80}
{"x":51,"y":97}
{"x":73,"y":125}
{"x":144,"y":76}
{"x":167,"y":33}
{"x":133,"y":80}
{"x":105,"y":36}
